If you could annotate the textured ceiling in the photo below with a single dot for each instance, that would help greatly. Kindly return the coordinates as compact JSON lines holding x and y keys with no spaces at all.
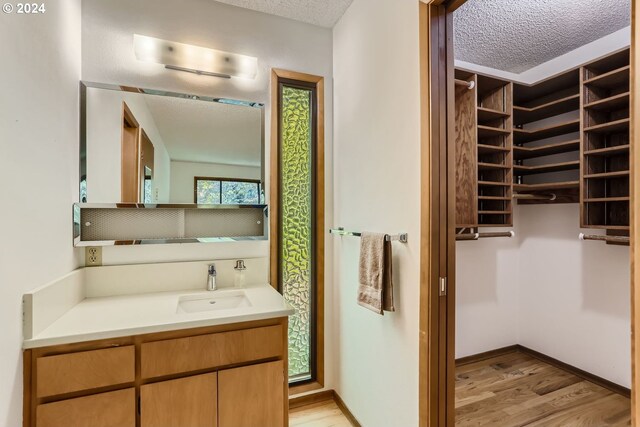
{"x":207,"y":132}
{"x":516,"y":35}
{"x":324,"y":13}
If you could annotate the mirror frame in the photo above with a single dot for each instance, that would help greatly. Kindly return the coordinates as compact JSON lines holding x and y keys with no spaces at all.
{"x":84,"y":85}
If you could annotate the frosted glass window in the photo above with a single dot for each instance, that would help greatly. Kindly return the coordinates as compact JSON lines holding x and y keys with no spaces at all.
{"x":297,"y":223}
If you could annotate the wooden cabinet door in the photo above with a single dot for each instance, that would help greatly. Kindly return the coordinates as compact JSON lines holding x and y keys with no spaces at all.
{"x":252,"y":396}
{"x":185,"y":402}
{"x":113,"y":409}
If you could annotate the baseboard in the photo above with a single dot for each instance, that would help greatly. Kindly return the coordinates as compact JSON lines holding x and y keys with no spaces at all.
{"x":609,"y":385}
{"x":323,"y":396}
{"x":345,"y":410}
{"x":486,"y":355}
{"x":310,"y":399}
{"x":602,"y":382}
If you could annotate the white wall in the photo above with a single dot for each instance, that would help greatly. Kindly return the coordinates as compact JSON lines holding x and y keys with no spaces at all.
{"x":549,"y":291}
{"x":377,"y":188}
{"x":38,"y":169}
{"x":183,"y":173}
{"x":104,"y":150}
{"x":487,"y":293}
{"x":574,"y":295}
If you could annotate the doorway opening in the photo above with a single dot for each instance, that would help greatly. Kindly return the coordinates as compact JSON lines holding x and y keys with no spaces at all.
{"x":528,"y":198}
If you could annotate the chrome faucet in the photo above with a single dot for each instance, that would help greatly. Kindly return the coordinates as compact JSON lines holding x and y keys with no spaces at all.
{"x":211,"y":279}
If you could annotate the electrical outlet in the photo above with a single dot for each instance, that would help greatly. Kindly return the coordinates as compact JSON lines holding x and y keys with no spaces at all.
{"x":93,"y":256}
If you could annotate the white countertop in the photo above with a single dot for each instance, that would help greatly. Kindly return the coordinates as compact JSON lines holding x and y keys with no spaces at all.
{"x":125,"y":315}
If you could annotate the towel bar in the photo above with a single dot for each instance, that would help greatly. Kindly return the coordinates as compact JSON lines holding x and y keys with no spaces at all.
{"x":402,"y":237}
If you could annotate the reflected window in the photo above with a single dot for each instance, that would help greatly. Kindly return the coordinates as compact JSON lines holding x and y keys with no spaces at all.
{"x":223,"y":191}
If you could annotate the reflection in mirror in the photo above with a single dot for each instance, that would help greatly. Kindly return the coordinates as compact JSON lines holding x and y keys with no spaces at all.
{"x":142,"y":146}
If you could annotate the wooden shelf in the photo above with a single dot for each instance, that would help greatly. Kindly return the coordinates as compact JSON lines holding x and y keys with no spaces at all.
{"x":607,"y":175}
{"x":552,"y":167}
{"x":527,"y":114}
{"x":565,"y":185}
{"x":564,"y":84}
{"x":488,"y":131}
{"x":523,"y":136}
{"x":491,"y":149}
{"x":521,"y":153}
{"x":607,"y":199}
{"x":487,"y":84}
{"x":606,"y":145}
{"x":494,"y":184}
{"x":488,"y":114}
{"x":612,"y":103}
{"x":610,"y":127}
{"x":494,"y":212}
{"x":491,"y":166}
{"x":611,"y":79}
{"x":608,"y":151}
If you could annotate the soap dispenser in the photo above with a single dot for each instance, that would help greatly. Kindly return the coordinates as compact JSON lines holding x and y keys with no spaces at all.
{"x":238,"y":280}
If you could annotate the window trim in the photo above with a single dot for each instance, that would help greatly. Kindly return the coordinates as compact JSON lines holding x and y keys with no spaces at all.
{"x":278,"y":77}
{"x":213,"y":178}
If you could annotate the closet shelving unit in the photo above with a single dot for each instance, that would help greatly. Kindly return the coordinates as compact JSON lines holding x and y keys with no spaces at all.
{"x":604,"y":197}
{"x":563,"y":140}
{"x":546,"y":139}
{"x":484,"y":156}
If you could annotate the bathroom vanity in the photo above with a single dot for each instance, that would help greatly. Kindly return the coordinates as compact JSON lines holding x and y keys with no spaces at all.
{"x":160,"y":359}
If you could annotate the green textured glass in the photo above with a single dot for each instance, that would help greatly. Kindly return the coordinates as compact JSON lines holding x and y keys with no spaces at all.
{"x":296,"y":172}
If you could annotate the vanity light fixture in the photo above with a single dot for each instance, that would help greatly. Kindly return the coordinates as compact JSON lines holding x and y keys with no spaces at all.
{"x":194,"y":59}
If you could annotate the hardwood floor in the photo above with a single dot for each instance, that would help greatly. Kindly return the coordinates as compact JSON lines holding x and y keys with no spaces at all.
{"x":323,"y":414}
{"x":518,"y":390}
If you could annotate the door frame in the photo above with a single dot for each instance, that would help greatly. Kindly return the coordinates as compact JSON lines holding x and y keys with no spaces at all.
{"x":129,"y":155}
{"x":437,"y":237}
{"x":278,"y":75}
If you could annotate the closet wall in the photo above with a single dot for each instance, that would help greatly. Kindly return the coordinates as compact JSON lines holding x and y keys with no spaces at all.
{"x":546,"y":290}
{"x":487,"y":293}
{"x":574,"y":296}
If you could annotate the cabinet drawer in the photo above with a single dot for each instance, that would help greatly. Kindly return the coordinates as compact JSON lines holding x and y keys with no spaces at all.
{"x":209,"y":351}
{"x":66,"y":373}
{"x":113,"y":409}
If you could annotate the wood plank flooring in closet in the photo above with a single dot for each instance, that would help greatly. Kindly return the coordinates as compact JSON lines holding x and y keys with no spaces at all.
{"x":516,"y":389}
{"x":323,"y":414}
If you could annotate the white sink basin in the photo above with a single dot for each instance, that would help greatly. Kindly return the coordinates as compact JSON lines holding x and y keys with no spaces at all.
{"x":213,"y":301}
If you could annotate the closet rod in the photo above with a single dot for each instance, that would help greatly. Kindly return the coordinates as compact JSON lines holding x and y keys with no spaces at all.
{"x":550,"y":196}
{"x":469,"y":85}
{"x":611,"y":239}
{"x":476,"y":236}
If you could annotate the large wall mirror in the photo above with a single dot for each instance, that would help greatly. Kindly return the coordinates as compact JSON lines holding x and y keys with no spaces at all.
{"x":153,"y":147}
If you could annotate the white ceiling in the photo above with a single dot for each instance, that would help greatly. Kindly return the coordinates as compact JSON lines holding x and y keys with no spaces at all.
{"x":517,"y":35}
{"x":324,"y":13}
{"x":208,"y":132}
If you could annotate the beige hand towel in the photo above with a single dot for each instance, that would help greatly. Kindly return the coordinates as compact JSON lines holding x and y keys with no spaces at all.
{"x":376,"y":287}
